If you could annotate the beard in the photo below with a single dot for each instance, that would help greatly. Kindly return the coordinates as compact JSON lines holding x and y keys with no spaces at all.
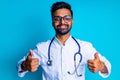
{"x":62,"y":29}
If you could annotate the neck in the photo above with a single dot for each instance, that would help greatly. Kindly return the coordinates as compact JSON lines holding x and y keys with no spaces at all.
{"x":63,"y":38}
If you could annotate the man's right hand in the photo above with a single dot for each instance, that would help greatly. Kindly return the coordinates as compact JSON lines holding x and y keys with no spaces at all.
{"x":30,"y":64}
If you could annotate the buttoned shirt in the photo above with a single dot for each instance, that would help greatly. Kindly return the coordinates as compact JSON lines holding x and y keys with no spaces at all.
{"x":62,"y":56}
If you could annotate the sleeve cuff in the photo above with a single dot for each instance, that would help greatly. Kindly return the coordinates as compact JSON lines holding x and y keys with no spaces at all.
{"x":21,"y":73}
{"x":108,"y":65}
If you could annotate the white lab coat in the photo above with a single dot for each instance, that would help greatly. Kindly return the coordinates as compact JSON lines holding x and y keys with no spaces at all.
{"x":62,"y":57}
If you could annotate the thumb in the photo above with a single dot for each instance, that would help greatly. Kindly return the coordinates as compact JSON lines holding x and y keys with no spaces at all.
{"x":29,"y":57}
{"x":96,"y":56}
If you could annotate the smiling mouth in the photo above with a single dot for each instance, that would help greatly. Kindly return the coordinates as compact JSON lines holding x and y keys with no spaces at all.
{"x":62,"y":29}
{"x":63,"y":26}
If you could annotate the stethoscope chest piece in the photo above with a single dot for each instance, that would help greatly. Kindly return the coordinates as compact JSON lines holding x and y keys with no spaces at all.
{"x":49,"y":62}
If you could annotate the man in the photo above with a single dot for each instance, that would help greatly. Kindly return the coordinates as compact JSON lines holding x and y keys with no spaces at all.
{"x":64,"y":57}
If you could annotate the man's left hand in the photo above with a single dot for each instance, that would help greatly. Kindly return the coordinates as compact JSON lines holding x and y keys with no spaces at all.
{"x":95,"y":65}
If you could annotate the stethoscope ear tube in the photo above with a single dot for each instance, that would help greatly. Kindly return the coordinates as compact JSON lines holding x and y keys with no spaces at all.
{"x":76,"y":66}
{"x":75,"y":71}
{"x":79,"y":75}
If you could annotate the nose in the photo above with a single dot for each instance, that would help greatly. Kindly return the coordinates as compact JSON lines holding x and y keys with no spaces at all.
{"x":62,"y":21}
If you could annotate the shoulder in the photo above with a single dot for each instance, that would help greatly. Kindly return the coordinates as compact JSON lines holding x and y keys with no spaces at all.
{"x":87,"y":48}
{"x":84,"y":43}
{"x":43,"y":44}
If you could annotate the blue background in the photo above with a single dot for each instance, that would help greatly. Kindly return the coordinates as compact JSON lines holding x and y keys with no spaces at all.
{"x":24,"y":23}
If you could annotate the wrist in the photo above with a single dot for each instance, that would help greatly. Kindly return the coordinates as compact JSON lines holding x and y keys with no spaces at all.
{"x":103,"y":68}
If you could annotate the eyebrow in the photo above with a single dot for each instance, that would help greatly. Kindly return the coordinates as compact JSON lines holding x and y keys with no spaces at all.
{"x":62,"y":16}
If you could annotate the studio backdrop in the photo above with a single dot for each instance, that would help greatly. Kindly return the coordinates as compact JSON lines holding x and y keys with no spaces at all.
{"x":24,"y":23}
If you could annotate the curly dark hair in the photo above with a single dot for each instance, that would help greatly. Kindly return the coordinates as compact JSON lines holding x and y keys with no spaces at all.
{"x":59,"y":5}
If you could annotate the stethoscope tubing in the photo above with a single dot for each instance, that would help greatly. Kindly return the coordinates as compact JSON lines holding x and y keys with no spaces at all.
{"x":49,"y":62}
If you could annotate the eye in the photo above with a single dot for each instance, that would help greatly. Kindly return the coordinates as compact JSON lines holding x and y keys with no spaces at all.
{"x":56,"y":18}
{"x":67,"y":17}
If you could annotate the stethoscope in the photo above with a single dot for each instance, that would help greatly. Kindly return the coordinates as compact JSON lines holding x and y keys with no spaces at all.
{"x":49,"y":62}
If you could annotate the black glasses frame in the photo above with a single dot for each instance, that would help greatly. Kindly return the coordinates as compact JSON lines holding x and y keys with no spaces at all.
{"x":66,"y":18}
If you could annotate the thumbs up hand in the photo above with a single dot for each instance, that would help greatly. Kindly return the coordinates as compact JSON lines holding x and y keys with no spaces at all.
{"x":95,"y":65}
{"x":30,"y":64}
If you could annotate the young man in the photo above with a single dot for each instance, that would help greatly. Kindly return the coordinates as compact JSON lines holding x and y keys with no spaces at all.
{"x":64,"y":57}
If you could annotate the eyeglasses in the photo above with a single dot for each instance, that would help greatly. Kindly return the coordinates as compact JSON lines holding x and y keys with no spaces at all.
{"x":59,"y":18}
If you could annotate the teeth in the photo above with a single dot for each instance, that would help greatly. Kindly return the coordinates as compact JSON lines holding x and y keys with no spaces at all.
{"x":63,"y":26}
